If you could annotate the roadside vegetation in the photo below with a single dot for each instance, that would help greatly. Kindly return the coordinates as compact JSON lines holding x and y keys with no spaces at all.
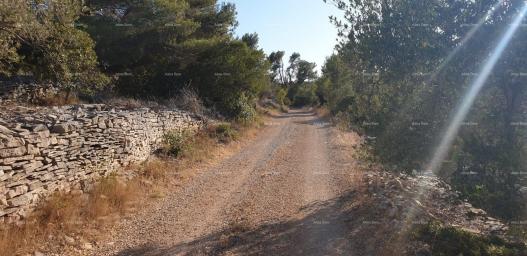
{"x":393,"y":80}
{"x":387,"y":81}
{"x":390,"y":80}
{"x":64,"y":217}
{"x":445,"y":240}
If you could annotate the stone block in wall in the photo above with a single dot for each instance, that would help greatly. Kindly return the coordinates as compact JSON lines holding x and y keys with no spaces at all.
{"x":9,"y":141}
{"x":3,"y":202}
{"x":32,"y":166}
{"x":12,"y":152}
{"x":12,"y":160}
{"x":61,"y":128}
{"x":16,"y":191}
{"x":5,"y":130}
{"x":34,"y":185}
{"x":21,"y":200}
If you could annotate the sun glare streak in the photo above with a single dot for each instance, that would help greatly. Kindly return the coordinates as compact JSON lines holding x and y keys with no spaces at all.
{"x":465,"y":39}
{"x":473,"y":92}
{"x":444,"y":63}
{"x":463,"y":109}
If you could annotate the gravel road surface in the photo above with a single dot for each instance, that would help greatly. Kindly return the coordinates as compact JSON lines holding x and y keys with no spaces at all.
{"x":285,"y":193}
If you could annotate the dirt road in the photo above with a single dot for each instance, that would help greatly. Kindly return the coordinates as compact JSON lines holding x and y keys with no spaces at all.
{"x":288,"y":192}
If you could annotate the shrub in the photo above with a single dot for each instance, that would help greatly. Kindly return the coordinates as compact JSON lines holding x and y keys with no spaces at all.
{"x":240,"y":108}
{"x":281,"y":96}
{"x":225,"y":133}
{"x":446,"y":240}
{"x":303,"y":95}
{"x":177,"y":142}
{"x":34,"y":42}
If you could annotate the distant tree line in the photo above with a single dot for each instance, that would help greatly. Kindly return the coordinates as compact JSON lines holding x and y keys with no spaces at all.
{"x":296,"y":81}
{"x":391,"y":80}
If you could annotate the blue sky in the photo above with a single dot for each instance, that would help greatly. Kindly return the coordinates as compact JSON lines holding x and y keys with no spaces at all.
{"x":290,"y":25}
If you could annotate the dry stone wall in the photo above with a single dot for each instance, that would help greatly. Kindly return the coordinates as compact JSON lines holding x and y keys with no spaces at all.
{"x":66,"y":148}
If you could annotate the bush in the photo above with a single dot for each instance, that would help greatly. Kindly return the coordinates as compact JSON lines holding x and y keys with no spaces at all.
{"x":303,"y":95}
{"x":240,"y":108}
{"x":34,"y":41}
{"x":281,"y":96}
{"x":177,"y":142}
{"x":225,"y":133}
{"x":445,"y":240}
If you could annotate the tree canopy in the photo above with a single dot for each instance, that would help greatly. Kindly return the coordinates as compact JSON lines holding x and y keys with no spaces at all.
{"x":395,"y":79}
{"x":143,"y":49}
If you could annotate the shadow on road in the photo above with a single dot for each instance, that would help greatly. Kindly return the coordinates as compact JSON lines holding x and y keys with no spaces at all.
{"x":333,"y":227}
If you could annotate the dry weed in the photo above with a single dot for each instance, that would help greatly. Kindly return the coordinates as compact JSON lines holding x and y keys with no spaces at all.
{"x":65,"y":214}
{"x":60,"y":99}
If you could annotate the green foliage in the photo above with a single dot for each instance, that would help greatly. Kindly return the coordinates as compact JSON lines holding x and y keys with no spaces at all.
{"x":281,"y":96}
{"x":304,"y":95}
{"x":175,"y":143}
{"x":445,"y":240}
{"x":277,"y":67}
{"x":388,"y":81}
{"x":298,"y":72}
{"x":298,"y":78}
{"x":231,"y":76}
{"x":251,"y":40}
{"x":33,"y":41}
{"x":225,"y":133}
{"x":162,"y":47}
{"x":241,"y":108}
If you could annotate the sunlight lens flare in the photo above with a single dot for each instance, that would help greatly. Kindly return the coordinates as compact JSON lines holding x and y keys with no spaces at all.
{"x":465,"y":39}
{"x":444,"y":63}
{"x":471,"y":95}
{"x":464,"y":108}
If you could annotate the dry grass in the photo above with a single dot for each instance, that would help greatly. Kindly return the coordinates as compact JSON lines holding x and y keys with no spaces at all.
{"x":68,"y":215}
{"x":131,"y":103}
{"x":323,"y":112}
{"x":155,"y":170}
{"x":60,"y":99}
{"x":110,"y":196}
{"x":188,"y":100}
{"x":188,"y":147}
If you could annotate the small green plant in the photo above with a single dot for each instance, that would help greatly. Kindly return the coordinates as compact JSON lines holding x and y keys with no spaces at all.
{"x":177,"y":142}
{"x":225,"y":133}
{"x":447,"y":240}
{"x":281,"y":96}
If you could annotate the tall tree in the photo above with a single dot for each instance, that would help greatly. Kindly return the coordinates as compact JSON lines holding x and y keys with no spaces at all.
{"x":277,"y":67}
{"x":305,"y":71}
